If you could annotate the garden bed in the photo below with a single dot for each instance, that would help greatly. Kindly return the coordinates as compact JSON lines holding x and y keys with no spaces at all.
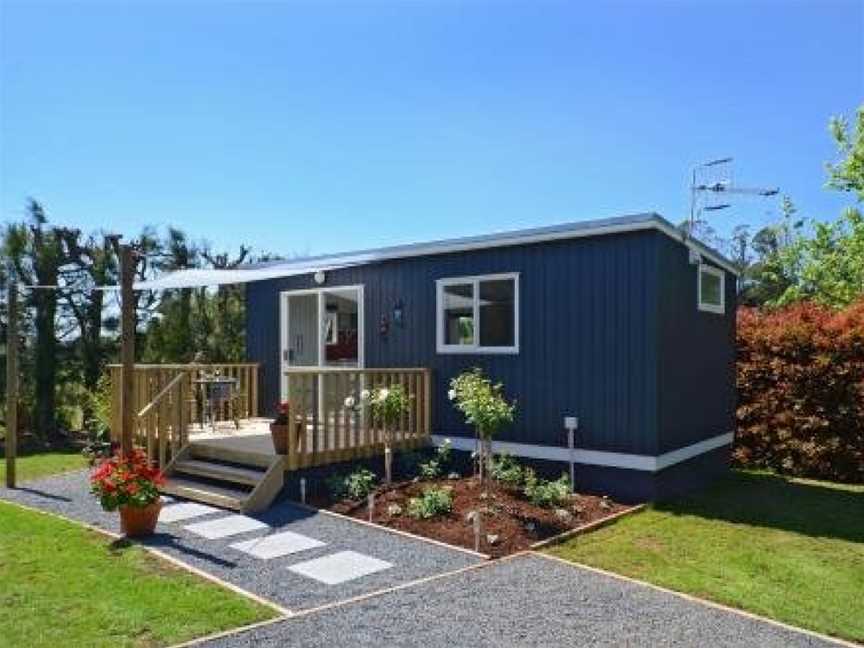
{"x":509,"y":522}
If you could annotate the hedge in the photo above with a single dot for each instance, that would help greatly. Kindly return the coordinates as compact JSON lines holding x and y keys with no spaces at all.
{"x":801,"y":391}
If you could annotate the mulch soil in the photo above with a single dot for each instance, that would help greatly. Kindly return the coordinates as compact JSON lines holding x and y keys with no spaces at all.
{"x":514,"y":522}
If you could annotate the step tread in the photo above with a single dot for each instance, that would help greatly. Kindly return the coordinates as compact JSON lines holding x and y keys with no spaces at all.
{"x":211,"y":451}
{"x":224,"y":496}
{"x":215,"y":470}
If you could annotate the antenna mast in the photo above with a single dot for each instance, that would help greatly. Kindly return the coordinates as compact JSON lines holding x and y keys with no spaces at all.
{"x":710,"y":182}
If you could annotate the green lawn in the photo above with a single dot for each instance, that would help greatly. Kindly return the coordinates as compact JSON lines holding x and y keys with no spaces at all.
{"x":65,"y":585}
{"x":33,"y":466}
{"x":792,"y":550}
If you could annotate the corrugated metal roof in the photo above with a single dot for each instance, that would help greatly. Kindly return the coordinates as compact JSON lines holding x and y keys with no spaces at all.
{"x":305,"y":265}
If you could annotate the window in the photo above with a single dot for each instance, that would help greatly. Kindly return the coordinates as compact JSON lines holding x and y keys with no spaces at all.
{"x":478,"y":314}
{"x":711,"y":289}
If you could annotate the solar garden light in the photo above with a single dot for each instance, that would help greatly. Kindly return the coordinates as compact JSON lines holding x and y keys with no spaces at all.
{"x":370,"y":503}
{"x":571,"y":424}
{"x":476,"y":530}
{"x":303,"y":489}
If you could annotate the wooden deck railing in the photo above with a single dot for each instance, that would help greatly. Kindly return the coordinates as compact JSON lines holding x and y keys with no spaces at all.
{"x":324,"y":431}
{"x":168,"y":401}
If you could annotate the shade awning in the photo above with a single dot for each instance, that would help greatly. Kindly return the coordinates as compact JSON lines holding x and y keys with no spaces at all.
{"x":197,"y":278}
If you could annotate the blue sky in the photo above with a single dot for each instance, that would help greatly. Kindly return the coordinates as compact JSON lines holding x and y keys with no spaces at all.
{"x":317,"y":127}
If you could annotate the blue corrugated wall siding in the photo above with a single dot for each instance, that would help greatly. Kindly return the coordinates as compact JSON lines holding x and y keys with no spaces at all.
{"x":588,"y":335}
{"x":696,"y":368}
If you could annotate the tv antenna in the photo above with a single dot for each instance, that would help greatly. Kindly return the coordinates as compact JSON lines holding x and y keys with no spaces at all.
{"x":711,"y":182}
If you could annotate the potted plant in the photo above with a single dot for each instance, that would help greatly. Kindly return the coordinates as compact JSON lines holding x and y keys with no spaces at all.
{"x":131,"y":485}
{"x":279,"y":428}
{"x":484,"y":407}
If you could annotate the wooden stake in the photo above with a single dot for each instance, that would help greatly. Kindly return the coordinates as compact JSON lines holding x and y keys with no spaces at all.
{"x":12,"y":379}
{"x":127,"y":347}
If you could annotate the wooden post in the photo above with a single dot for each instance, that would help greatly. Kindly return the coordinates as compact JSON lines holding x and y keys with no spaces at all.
{"x":127,"y":347}
{"x":12,"y":379}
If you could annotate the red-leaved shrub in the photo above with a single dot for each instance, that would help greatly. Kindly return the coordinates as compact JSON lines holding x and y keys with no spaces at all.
{"x":801,"y":391}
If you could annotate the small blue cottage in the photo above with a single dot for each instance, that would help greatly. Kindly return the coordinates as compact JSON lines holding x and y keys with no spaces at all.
{"x":621,"y":329}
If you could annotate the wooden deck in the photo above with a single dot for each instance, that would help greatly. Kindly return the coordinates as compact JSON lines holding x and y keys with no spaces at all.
{"x":253,"y":439}
{"x":253,"y":436}
{"x":232,"y":463}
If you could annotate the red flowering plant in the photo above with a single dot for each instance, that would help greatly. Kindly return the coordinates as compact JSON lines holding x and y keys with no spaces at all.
{"x":126,"y":481}
{"x":282,"y":411}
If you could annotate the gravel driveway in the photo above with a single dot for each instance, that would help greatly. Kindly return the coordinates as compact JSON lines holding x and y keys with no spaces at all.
{"x":524,"y":601}
{"x":527,"y":600}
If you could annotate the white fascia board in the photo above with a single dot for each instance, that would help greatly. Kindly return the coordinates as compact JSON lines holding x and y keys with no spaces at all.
{"x":616,"y":225}
{"x":627,"y":461}
{"x":639,"y":222}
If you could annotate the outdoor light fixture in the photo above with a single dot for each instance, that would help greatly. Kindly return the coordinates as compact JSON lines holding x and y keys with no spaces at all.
{"x":571,"y":424}
{"x":398,"y":309}
{"x":319,"y":277}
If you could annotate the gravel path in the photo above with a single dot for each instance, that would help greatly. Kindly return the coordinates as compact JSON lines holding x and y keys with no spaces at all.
{"x":521,"y":602}
{"x":68,"y":495}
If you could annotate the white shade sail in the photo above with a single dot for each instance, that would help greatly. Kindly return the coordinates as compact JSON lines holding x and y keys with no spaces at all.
{"x":200,"y":278}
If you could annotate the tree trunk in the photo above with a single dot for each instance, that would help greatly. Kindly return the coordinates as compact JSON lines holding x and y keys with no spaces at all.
{"x":45,"y":406}
{"x":487,"y":455}
{"x":91,"y":346}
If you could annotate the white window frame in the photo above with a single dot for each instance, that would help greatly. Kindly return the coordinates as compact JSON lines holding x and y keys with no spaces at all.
{"x":475,"y":348}
{"x":717,"y":272}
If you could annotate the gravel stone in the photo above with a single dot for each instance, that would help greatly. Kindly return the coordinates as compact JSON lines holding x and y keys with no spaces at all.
{"x":69,"y":495}
{"x":523,"y":602}
{"x":564,"y":515}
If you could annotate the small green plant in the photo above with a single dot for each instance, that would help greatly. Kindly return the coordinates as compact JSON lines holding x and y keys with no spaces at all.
{"x":507,"y":470}
{"x":546,"y":493}
{"x":433,"y":502}
{"x":355,"y":486}
{"x":438,"y":464}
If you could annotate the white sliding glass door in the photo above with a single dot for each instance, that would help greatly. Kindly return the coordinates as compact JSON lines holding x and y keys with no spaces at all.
{"x":320,"y":328}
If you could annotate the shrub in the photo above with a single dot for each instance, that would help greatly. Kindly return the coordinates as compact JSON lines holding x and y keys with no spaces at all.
{"x":433,"y":502}
{"x":355,"y":486}
{"x":438,"y":464}
{"x":484,"y":406}
{"x":801,"y":391}
{"x":507,"y":470}
{"x":545,"y":493}
{"x":387,"y":405}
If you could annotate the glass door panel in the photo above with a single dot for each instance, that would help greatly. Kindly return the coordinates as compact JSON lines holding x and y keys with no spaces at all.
{"x":302,"y":342}
{"x":341,"y":328}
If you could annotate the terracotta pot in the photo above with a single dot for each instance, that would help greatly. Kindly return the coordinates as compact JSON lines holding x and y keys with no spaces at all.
{"x":139,"y":521}
{"x":279,"y":434}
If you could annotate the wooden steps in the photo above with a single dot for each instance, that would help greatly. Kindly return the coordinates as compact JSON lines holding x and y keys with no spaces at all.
{"x":224,"y":477}
{"x":206,"y":492}
{"x":220,"y":471}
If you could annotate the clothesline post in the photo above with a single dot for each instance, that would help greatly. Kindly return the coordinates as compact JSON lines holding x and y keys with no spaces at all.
{"x":127,"y":348}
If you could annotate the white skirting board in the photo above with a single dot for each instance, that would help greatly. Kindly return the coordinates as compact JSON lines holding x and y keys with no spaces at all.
{"x":595,"y":457}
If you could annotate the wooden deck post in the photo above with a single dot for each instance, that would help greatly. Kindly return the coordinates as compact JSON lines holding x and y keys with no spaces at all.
{"x":11,"y":378}
{"x":127,"y":347}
